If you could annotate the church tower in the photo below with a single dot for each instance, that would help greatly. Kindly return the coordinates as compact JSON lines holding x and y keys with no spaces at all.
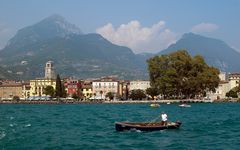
{"x":49,"y":70}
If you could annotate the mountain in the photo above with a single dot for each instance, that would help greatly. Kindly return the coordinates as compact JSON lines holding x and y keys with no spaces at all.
{"x":90,"y":55}
{"x":74,"y":53}
{"x":4,"y":74}
{"x":215,"y":52}
{"x":48,"y":28}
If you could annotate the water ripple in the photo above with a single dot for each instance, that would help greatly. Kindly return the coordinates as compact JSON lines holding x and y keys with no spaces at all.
{"x":91,"y":126}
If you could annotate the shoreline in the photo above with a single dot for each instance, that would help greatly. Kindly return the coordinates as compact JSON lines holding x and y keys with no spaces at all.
{"x":113,"y":102}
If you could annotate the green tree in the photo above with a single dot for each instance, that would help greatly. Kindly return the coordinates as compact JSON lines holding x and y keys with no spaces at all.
{"x":75,"y":96}
{"x":110,"y":95}
{"x":152,"y":92}
{"x":178,"y":75}
{"x":59,"y":90}
{"x":49,"y":90}
{"x":64,"y":92}
{"x":232,"y":94}
{"x":137,"y":94}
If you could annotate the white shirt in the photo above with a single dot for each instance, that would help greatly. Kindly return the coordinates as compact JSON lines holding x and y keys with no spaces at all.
{"x":164,"y":117}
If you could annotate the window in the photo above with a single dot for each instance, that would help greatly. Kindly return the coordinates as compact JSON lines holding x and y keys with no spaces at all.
{"x":105,"y":85}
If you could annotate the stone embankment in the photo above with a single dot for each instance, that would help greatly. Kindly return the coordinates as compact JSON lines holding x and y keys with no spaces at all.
{"x":108,"y":102}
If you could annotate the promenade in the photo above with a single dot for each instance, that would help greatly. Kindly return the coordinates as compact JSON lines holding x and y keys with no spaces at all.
{"x":109,"y":102}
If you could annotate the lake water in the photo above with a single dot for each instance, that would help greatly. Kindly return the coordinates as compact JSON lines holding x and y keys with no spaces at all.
{"x":91,"y":126}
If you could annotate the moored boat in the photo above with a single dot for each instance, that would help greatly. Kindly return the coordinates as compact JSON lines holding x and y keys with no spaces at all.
{"x":146,"y":126}
{"x":154,"y":105}
{"x":184,"y":105}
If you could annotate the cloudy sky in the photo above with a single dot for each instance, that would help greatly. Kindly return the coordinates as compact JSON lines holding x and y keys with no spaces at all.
{"x":142,"y":25}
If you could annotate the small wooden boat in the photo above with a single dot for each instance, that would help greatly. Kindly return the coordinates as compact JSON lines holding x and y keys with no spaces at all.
{"x":146,"y":126}
{"x":154,"y":105}
{"x":184,"y":105}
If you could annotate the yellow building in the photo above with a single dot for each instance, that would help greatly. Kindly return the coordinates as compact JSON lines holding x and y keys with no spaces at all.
{"x":26,"y":90}
{"x":38,"y":85}
{"x":87,"y":89}
{"x":8,"y":91}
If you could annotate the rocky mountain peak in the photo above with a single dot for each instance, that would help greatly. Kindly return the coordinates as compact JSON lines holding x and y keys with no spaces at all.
{"x":48,"y":28}
{"x":60,"y":23}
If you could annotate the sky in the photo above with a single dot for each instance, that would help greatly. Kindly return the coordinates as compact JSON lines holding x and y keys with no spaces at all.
{"x":142,"y":25}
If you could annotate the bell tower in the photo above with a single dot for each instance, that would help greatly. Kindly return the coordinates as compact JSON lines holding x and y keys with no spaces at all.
{"x":49,"y":70}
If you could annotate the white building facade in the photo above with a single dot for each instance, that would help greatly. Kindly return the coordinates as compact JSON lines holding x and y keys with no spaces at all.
{"x":139,"y":84}
{"x":227,"y":83}
{"x":234,"y":79}
{"x":104,"y":85}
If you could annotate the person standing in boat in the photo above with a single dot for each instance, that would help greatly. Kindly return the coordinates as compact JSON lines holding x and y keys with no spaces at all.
{"x":164,"y":118}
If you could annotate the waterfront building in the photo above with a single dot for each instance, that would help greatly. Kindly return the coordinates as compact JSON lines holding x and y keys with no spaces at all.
{"x":104,"y":85}
{"x":9,"y":90}
{"x":139,"y":84}
{"x":220,"y":92}
{"x":26,"y":89}
{"x":227,"y":83}
{"x":87,"y":89}
{"x":38,"y":85}
{"x":72,"y":86}
{"x":234,"y":79}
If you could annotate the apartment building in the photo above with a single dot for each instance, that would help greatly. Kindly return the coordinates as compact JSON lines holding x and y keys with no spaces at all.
{"x":104,"y":85}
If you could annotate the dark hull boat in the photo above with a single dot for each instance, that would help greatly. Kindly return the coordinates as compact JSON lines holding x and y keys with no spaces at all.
{"x":123,"y":126}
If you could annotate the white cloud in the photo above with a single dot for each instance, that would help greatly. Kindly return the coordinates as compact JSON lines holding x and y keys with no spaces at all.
{"x":138,"y":38}
{"x":204,"y":27}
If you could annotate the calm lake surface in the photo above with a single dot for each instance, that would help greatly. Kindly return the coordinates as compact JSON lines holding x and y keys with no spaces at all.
{"x":91,"y":126}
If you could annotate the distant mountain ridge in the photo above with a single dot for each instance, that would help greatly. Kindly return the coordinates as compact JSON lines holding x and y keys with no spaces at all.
{"x":74,"y":53}
{"x":90,"y":55}
{"x":50,"y":27}
{"x":216,"y":52}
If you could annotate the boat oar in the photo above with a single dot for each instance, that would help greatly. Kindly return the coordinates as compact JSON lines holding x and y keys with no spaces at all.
{"x":154,"y":120}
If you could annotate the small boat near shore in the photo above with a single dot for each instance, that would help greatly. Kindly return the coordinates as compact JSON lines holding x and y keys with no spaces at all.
{"x":154,"y":105}
{"x":184,"y":105}
{"x":146,"y":126}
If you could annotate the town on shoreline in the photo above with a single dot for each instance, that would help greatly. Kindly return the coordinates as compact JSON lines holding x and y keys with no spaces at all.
{"x":100,"y":90}
{"x":65,"y":101}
